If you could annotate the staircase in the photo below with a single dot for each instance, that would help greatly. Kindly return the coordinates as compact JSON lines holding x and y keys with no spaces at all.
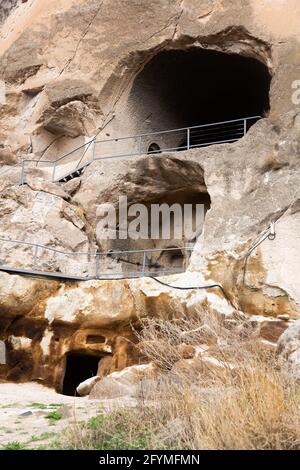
{"x":73,"y":174}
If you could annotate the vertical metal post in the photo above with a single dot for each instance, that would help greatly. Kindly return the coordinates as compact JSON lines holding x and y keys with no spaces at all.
{"x":34,"y":255}
{"x":144,"y":263}
{"x":186,"y":259}
{"x":97,"y":261}
{"x":94,"y":149}
{"x":188,"y":139}
{"x":245,"y":126}
{"x":21,"y":183}
{"x":53,"y":172}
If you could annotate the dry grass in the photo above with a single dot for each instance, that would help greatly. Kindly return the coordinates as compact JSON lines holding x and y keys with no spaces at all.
{"x":246,"y":403}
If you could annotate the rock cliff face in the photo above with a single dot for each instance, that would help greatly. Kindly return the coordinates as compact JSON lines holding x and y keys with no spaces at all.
{"x":6,"y":8}
{"x":72,"y":70}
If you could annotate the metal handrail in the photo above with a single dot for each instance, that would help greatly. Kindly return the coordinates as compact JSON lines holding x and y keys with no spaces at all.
{"x":50,"y":248}
{"x":235,"y":134}
{"x":94,"y":259}
{"x":9,"y":167}
{"x":177,"y":130}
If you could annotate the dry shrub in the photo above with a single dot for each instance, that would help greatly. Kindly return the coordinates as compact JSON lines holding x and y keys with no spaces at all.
{"x":246,"y":403}
{"x":230,"y":340}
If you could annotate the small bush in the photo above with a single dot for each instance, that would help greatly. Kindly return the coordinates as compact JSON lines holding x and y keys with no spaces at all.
{"x":106,"y":432}
{"x":40,"y":406}
{"x":54,"y":416}
{"x":15,"y":445}
{"x":42,"y":437}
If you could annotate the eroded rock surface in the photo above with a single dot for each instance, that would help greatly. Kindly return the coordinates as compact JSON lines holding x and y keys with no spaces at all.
{"x":289,"y":349}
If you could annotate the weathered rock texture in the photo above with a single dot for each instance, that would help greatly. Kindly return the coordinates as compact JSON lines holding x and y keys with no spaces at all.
{"x":7,"y":6}
{"x":71,"y":70}
{"x":289,"y":349}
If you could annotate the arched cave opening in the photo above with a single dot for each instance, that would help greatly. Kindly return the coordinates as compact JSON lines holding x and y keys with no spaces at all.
{"x":166,"y":252}
{"x":173,"y":258}
{"x":79,"y":367}
{"x":153,"y":148}
{"x":192,"y":87}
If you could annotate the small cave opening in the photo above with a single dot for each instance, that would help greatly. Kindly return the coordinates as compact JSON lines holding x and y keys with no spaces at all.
{"x":172,"y":257}
{"x":153,"y":148}
{"x":174,"y":222}
{"x":192,"y":87}
{"x":79,"y":367}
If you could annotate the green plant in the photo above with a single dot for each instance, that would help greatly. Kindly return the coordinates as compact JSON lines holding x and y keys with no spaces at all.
{"x":53,"y":417}
{"x":42,"y":437}
{"x":106,"y":432}
{"x":96,"y":421}
{"x":45,"y":406}
{"x":40,"y":406}
{"x":15,"y":445}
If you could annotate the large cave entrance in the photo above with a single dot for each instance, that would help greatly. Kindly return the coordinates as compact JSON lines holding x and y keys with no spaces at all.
{"x":192,"y":87}
{"x":79,"y":367}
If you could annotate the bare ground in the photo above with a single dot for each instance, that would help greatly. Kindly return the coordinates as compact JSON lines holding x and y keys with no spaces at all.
{"x":24,"y":409}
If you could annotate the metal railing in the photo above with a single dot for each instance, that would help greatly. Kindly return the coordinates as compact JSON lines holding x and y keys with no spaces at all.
{"x":38,"y":259}
{"x":181,"y":139}
{"x":184,"y":138}
{"x":187,"y":138}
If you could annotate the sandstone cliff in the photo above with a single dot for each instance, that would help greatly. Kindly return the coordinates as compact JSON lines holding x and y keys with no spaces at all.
{"x":74,"y":70}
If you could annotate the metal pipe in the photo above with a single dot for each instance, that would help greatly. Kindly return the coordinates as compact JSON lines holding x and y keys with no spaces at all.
{"x":188,"y":138}
{"x":104,"y":276}
{"x":144,"y":263}
{"x":94,"y":149}
{"x":5,"y":170}
{"x":72,"y":151}
{"x":188,"y":130}
{"x":53,"y":171}
{"x":270,"y":234}
{"x":22,"y":174}
{"x":210,"y":127}
{"x":101,"y":253}
{"x":179,"y":129}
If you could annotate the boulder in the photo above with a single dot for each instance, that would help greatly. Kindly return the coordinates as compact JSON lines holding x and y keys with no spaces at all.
{"x":72,"y":119}
{"x":288,"y":349}
{"x":123,"y":383}
{"x":85,"y":387}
